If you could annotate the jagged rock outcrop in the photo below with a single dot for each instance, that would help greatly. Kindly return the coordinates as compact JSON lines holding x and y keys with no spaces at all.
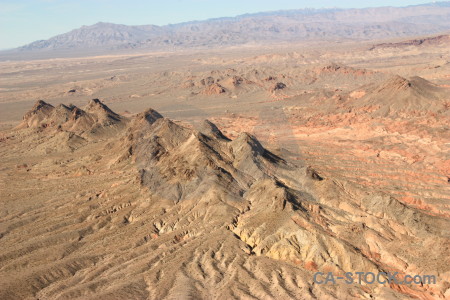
{"x":210,"y":129}
{"x":94,"y":118}
{"x":37,"y":115}
{"x":278,"y":210}
{"x":160,"y":210}
{"x":278,"y":86}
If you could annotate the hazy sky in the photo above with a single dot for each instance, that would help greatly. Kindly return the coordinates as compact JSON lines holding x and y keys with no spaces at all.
{"x":24,"y":21}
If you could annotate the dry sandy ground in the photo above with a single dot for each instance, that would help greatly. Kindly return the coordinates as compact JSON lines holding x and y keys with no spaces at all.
{"x":103,"y":206}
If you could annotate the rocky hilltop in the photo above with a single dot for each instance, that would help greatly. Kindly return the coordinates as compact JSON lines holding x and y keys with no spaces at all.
{"x":190,"y":213}
{"x":95,"y":116}
{"x":399,"y":95}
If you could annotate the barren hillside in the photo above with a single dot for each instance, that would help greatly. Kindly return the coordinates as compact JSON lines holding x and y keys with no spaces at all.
{"x":164,"y":211}
{"x":261,"y":28}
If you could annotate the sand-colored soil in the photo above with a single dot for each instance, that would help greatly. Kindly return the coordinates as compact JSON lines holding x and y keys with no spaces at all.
{"x":331,"y":160}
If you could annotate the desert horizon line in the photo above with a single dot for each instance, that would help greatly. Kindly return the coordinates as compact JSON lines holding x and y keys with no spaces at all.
{"x":224,"y":17}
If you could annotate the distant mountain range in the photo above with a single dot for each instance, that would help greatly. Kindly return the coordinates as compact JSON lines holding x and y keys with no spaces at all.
{"x":267,"y":27}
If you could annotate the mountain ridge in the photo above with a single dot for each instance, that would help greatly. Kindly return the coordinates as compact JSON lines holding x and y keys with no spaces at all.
{"x":263,"y":27}
{"x":205,"y":206}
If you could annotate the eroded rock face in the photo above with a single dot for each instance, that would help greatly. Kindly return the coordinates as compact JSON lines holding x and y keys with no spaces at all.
{"x":188,"y":213}
{"x":210,"y":129}
{"x":430,"y":41}
{"x":35,"y":117}
{"x":280,"y":211}
{"x":93,"y":118}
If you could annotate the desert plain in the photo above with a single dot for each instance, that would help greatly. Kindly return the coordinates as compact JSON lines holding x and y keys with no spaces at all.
{"x":231,"y":173}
